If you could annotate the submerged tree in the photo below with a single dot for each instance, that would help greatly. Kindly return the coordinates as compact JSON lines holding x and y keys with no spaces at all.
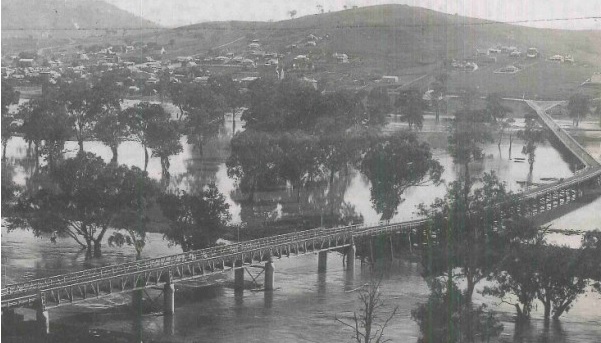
{"x":45,"y":124}
{"x":371,"y":321}
{"x":532,"y":135}
{"x":412,"y":107}
{"x":448,"y":316}
{"x":472,"y":233}
{"x":394,"y":164}
{"x":196,"y":221}
{"x":82,"y":198}
{"x":560,"y":278}
{"x":141,"y":119}
{"x":9,"y":97}
{"x":516,"y":276}
{"x":469,"y":132}
{"x":163,"y":138}
{"x":498,"y":112}
{"x":578,"y":107}
{"x":111,"y":129}
{"x":253,"y":160}
{"x":84,"y":103}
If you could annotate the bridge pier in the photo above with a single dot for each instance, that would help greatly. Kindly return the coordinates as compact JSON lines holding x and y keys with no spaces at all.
{"x":42,"y":316}
{"x":322,"y":261}
{"x":269,"y":276}
{"x":169,"y":297}
{"x":350,"y":257}
{"x":169,"y":325}
{"x":239,"y":276}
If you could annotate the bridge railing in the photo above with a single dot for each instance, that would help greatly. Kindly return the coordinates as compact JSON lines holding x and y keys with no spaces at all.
{"x":569,"y":141}
{"x":170,"y":259}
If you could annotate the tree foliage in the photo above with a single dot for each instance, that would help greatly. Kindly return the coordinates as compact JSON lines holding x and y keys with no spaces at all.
{"x":578,"y":107}
{"x":111,"y":129}
{"x":9,"y":96}
{"x":141,"y":119}
{"x":472,"y":233}
{"x":289,"y":105}
{"x":84,"y":103}
{"x":448,"y":316}
{"x":164,"y":139}
{"x":532,"y":134}
{"x":196,"y":220}
{"x":83,"y":197}
{"x":395,"y":163}
{"x":46,"y":124}
{"x":412,"y":107}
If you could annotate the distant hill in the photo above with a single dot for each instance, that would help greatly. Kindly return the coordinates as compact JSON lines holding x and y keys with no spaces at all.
{"x":387,"y":37}
{"x":39,"y":19}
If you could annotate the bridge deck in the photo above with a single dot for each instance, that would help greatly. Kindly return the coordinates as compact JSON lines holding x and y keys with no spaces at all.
{"x":78,"y":286}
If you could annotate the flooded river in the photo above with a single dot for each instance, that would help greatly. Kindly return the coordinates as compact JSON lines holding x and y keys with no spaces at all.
{"x":305,"y":304}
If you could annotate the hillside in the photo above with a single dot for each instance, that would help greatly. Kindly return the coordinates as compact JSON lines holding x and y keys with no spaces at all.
{"x":36,"y":19}
{"x":387,"y":37}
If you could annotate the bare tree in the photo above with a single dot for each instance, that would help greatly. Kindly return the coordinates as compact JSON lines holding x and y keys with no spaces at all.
{"x":367,"y":324}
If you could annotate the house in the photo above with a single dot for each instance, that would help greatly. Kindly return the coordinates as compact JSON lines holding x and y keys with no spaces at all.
{"x":532,"y":53}
{"x":516,"y":54}
{"x":222,"y":59}
{"x":390,"y":79}
{"x":133,"y":89}
{"x":340,"y":58}
{"x":557,"y":58}
{"x":311,"y":43}
{"x":301,"y":62}
{"x":311,"y":82}
{"x":252,"y":46}
{"x":203,"y":80}
{"x":481,"y":52}
{"x":247,"y":80}
{"x":248,"y":63}
{"x":26,"y":62}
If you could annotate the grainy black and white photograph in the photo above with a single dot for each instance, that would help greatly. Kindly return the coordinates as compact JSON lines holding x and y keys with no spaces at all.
{"x":273,"y":171}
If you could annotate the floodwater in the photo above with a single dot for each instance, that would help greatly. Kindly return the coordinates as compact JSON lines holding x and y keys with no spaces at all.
{"x":306,"y":304}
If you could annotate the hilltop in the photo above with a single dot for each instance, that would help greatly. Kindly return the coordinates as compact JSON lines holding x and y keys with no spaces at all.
{"x":47,"y":19}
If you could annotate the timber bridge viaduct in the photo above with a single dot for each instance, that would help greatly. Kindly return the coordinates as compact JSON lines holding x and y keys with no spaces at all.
{"x":43,"y":294}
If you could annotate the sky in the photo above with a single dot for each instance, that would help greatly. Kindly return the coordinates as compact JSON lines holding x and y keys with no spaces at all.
{"x":172,"y":13}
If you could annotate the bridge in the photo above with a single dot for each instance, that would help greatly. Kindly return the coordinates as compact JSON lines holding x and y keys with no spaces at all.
{"x":71,"y":288}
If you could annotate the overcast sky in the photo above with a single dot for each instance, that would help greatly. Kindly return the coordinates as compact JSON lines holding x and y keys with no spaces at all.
{"x":182,"y":12}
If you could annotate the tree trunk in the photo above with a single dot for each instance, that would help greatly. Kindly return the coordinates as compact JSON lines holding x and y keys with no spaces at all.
{"x":233,"y":121}
{"x":88,"y":249}
{"x":37,"y":154}
{"x":547,"y":305}
{"x":561,"y":310}
{"x":466,"y":187}
{"x":97,"y":248}
{"x":4,"y":142}
{"x":519,"y":312}
{"x":470,"y":289}
{"x":80,"y":142}
{"x":510,"y":142}
{"x":115,"y":154}
{"x":145,"y":158}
